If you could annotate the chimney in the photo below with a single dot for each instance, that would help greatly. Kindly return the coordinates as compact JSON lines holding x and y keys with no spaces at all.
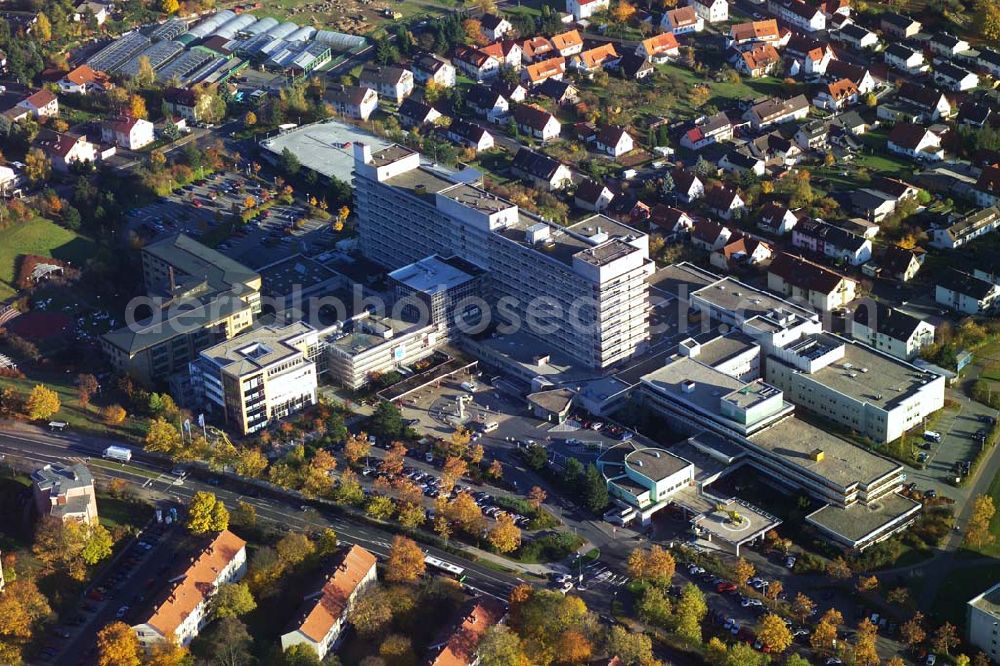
{"x":362,"y":152}
{"x":688,"y":386}
{"x":817,"y":455}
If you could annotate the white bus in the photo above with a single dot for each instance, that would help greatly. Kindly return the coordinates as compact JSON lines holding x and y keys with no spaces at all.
{"x":447,"y":567}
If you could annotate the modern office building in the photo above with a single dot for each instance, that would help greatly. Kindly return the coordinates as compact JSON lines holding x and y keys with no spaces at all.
{"x":368,"y":345}
{"x":440,"y":290}
{"x":983,"y":622}
{"x":581,"y":288}
{"x":180,"y":611}
{"x":644,"y":478}
{"x":200,"y":297}
{"x":323,"y":616}
{"x":65,"y":492}
{"x":258,"y":378}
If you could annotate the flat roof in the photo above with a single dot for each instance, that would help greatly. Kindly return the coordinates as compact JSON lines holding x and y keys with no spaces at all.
{"x":655,"y":463}
{"x":476,"y":198}
{"x":858,"y":521}
{"x":724,"y":347}
{"x":325,"y":147}
{"x":197,"y":260}
{"x":988,"y":601}
{"x":281,"y":277}
{"x":256,"y":349}
{"x":872,"y":377}
{"x":431,"y":275}
{"x":358,"y":340}
{"x":681,"y":280}
{"x":709,"y":387}
{"x":731,"y":295}
{"x":753,"y":522}
{"x":844,"y":464}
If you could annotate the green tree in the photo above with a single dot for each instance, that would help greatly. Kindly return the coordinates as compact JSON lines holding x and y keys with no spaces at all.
{"x":654,"y":607}
{"x":229,"y":642}
{"x":380,"y":507}
{"x":595,"y":490}
{"x":202,"y":513}
{"x":690,"y":610}
{"x":501,"y":647}
{"x":97,"y":544}
{"x":634,"y":649}
{"x":387,"y":421}
{"x":232,"y":600}
{"x":289,"y":163}
{"x":301,"y":654}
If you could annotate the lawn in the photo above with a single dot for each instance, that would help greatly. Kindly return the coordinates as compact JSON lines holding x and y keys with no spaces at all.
{"x":115,"y":512}
{"x":41,"y":237}
{"x":993,"y":549}
{"x":960,"y":586}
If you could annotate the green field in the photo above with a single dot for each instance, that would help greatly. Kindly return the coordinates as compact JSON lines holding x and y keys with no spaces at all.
{"x":993,"y":549}
{"x":41,"y":237}
{"x":960,"y":586}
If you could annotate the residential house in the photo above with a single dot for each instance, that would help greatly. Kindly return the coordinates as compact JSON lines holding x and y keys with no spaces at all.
{"x":687,"y":186}
{"x":830,"y":241}
{"x":899,"y":26}
{"x":417,"y":114}
{"x":858,"y":37}
{"x":859,"y":227}
{"x":97,"y":10}
{"x":777,"y":219}
{"x":539,"y":72}
{"x":708,"y":130}
{"x":798,"y":14}
{"x":837,"y":95}
{"x":758,"y":61}
{"x":904,"y":59}
{"x":777,"y":111}
{"x":967,"y":228}
{"x":898,"y":263}
{"x":660,"y":48}
{"x":429,"y":67}
{"x":807,"y":55}
{"x":852,"y":122}
{"x":989,"y":60}
{"x":470,"y":134}
{"x":537,"y":48}
{"x":181,"y":611}
{"x":514,"y":92}
{"x":965,"y":293}
{"x":634,"y":67}
{"x":709,"y":235}
{"x":494,"y":27}
{"x":890,"y":331}
{"x":682,"y":20}
{"x":805,"y":281}
{"x":671,"y":220}
{"x":954,"y":77}
{"x":988,"y":186}
{"x":725,"y":202}
{"x":568,"y":43}
{"x":599,"y":57}
{"x":182,"y":102}
{"x":737,"y":162}
{"x":872,"y":204}
{"x":560,"y":92}
{"x":487,"y":102}
{"x":40,"y":104}
{"x":812,"y":135}
{"x":64,"y":150}
{"x":478,"y":65}
{"x":711,"y":11}
{"x":508,"y":52}
{"x":753,"y":32}
{"x":775,"y":149}
{"x":541,"y":170}
{"x":536,"y":122}
{"x":83,"y":80}
{"x":459,"y":646}
{"x":10,"y":181}
{"x":739,"y":251}
{"x":131,"y":133}
{"x":394,"y":83}
{"x":899,"y":190}
{"x":65,"y":492}
{"x":861,"y":76}
{"x":947,"y":45}
{"x":322,"y":618}
{"x":593,"y":196}
{"x":915,"y":141}
{"x":614,"y":140}
{"x":975,"y":114}
{"x":933,"y":104}
{"x":358,"y":102}
{"x":584,"y":9}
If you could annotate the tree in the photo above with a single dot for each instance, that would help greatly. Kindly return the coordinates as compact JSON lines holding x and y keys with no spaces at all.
{"x":501,"y":647}
{"x":113,"y":414}
{"x":464,"y":512}
{"x":574,"y":648}
{"x":473,"y":29}
{"x":945,"y":638}
{"x":410,"y":515}
{"x":774,"y":590}
{"x":654,"y":607}
{"x":977,"y":531}
{"x":387,"y":421}
{"x":356,"y":447}
{"x":229,"y":642}
{"x":202,"y":513}
{"x":146,"y":74}
{"x":898,"y":596}
{"x":865,"y":652}
{"x":250,"y":119}
{"x":293,"y":548}
{"x":495,"y":470}
{"x":741,"y":654}
{"x":246,"y":513}
{"x":37,"y":166}
{"x":623,"y":12}
{"x":454,"y":469}
{"x":380,"y":507}
{"x":137,"y":107}
{"x":301,"y":654}
{"x":839,"y":569}
{"x":867,"y":584}
{"x":97,"y":544}
{"x":773,"y":633}
{"x":220,"y":517}
{"x":715,"y":652}
{"x":117,"y":645}
{"x":633,"y":649}
{"x":232,"y":600}
{"x":43,"y":27}
{"x":799,"y":660}
{"x":595,"y":490}
{"x":505,"y":536}
{"x":22,"y":608}
{"x":250,"y":462}
{"x":690,"y":610}
{"x":86,"y":387}
{"x":167,"y":653}
{"x":743,"y":571}
{"x":802,"y":607}
{"x":406,"y":561}
{"x":825,"y":633}
{"x":162,"y":437}
{"x":912,"y":630}
{"x":394,"y":460}
{"x":987,"y":18}
{"x":43,"y":403}
{"x":349,"y":490}
{"x":397,"y":649}
{"x":372,"y":612}
{"x":169,"y":6}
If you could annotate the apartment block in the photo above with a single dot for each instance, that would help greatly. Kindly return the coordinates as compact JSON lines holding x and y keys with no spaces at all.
{"x":363,"y":347}
{"x":258,"y":378}
{"x":65,"y":492}
{"x":982,"y":620}
{"x":582,"y":288}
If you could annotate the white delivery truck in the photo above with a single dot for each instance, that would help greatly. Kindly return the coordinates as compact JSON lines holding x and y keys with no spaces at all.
{"x":119,"y":453}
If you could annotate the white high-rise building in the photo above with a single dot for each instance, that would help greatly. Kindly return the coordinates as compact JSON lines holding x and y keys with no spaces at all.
{"x":580,"y":288}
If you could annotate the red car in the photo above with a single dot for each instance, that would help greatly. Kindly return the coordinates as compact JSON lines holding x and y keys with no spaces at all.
{"x":725,"y":586}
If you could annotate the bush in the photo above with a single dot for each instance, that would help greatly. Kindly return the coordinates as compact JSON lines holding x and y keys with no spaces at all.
{"x":549,"y":548}
{"x":540,"y":519}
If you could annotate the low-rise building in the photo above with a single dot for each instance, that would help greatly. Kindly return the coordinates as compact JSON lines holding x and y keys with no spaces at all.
{"x":954,"y":77}
{"x":83,"y":80}
{"x":777,"y":111}
{"x":947,"y":45}
{"x":460,"y":645}
{"x":905,"y":59}
{"x":660,"y":48}
{"x":988,"y":186}
{"x":967,"y":228}
{"x":537,"y":48}
{"x":861,"y":76}
{"x":989,"y":60}
{"x":708,"y":130}
{"x":568,"y":43}
{"x":725,"y":202}
{"x":916,"y":141}
{"x":131,"y":133}
{"x":182,"y":102}
{"x":758,"y":61}
{"x":614,"y":140}
{"x":258,"y":378}
{"x":536,"y":122}
{"x":711,"y":11}
{"x":394,"y":83}
{"x":584,"y":9}
{"x":545,"y":70}
{"x":494,"y":27}
{"x":644,"y":478}
{"x":417,"y":114}
{"x":593,"y":196}
{"x":982,"y":618}
{"x":40,"y":104}
{"x":738,"y":162}
{"x":965,"y":293}
{"x":65,"y":492}
{"x":479,"y":65}
{"x":541,"y":170}
{"x":777,"y":219}
{"x":857,"y":36}
{"x":180,"y":611}
{"x":687,"y":185}
{"x":595,"y":59}
{"x":429,"y":67}
{"x":753,"y":32}
{"x":837,"y":95}
{"x":806,"y":17}
{"x":682,"y":20}
{"x":709,"y":235}
{"x":65,"y":150}
{"x":321,"y":620}
{"x":470,"y":135}
{"x":487,"y":102}
{"x":808,"y":282}
{"x":890,"y":331}
{"x":901,"y":264}
{"x":357,"y":102}
{"x":831,"y":241}
{"x":898,"y":25}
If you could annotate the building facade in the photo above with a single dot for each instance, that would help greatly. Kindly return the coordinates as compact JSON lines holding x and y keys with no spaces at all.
{"x":65,"y":492}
